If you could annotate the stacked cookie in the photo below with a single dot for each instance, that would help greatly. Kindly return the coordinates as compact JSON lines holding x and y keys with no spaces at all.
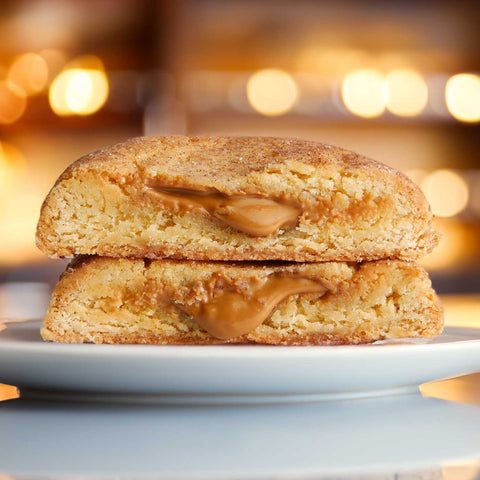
{"x":183,"y":240}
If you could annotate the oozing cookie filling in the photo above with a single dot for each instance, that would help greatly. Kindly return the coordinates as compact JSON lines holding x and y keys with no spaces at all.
{"x":228,"y":311}
{"x":251,"y":214}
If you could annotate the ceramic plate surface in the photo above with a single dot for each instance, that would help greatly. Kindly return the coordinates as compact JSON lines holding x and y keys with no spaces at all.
{"x":229,"y":373}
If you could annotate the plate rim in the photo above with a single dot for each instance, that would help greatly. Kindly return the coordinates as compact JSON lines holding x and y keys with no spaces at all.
{"x":172,"y":370}
{"x":236,"y":350}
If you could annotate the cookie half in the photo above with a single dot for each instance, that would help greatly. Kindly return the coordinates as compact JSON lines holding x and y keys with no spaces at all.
{"x":227,"y":198}
{"x":104,"y":300}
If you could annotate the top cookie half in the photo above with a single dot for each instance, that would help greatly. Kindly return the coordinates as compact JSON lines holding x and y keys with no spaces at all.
{"x":234,"y":198}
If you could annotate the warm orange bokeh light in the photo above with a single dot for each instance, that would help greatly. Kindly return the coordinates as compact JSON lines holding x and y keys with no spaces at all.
{"x":29,"y":72}
{"x":406,"y":93}
{"x":78,"y":91}
{"x":17,"y":219}
{"x":12,"y":103}
{"x":55,"y":60}
{"x":81,"y":88}
{"x":7,"y":392}
{"x":437,"y":183}
{"x":462,"y":95}
{"x":363,"y":92}
{"x":12,"y":167}
{"x":456,"y":244}
{"x":86,"y":62}
{"x":272,"y":92}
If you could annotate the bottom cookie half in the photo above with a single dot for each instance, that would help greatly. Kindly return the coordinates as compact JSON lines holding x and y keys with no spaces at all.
{"x":109,"y":300}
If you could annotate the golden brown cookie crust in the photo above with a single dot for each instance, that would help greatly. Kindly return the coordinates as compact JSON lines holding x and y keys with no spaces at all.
{"x":104,"y":300}
{"x":100,"y":204}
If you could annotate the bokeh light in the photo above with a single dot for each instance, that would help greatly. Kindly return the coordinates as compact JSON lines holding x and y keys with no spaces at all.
{"x":462,"y":311}
{"x":272,"y":92}
{"x":78,"y":91}
{"x":462,"y":94}
{"x":87,"y":62}
{"x":474,"y":201}
{"x":446,"y":191}
{"x":457,"y":243}
{"x":55,"y":60}
{"x":406,"y":93}
{"x":7,"y":392}
{"x":29,"y":72}
{"x":20,"y":198}
{"x":12,"y":167}
{"x":363,"y":92}
{"x":20,"y":222}
{"x":416,"y":174}
{"x":12,"y":103}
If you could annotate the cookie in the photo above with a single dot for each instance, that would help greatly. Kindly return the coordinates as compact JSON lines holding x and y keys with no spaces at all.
{"x":234,"y":199}
{"x":106,"y":300}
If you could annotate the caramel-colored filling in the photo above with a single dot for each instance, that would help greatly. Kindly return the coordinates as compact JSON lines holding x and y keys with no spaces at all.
{"x":231,"y":311}
{"x":251,"y":214}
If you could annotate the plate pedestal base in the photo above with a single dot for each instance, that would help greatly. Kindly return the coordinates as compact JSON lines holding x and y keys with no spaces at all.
{"x":28,"y":393}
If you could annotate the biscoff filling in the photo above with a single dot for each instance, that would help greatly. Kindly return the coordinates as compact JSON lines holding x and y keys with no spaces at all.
{"x":252,"y":214}
{"x":228,"y":311}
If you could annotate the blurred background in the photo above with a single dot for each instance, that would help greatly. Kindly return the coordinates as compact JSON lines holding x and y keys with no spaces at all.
{"x":396,"y":81}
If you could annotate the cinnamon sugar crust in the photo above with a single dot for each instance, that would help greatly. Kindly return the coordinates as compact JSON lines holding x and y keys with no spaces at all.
{"x":102,"y":204}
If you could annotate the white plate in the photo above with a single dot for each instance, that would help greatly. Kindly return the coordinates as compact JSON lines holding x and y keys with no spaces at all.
{"x":229,"y":373}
